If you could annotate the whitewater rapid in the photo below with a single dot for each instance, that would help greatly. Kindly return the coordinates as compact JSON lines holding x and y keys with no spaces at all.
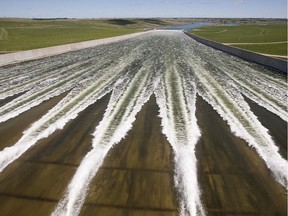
{"x":168,"y":64}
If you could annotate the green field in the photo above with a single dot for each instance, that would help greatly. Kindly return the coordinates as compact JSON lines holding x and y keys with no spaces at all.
{"x":256,"y":38}
{"x":25,"y":34}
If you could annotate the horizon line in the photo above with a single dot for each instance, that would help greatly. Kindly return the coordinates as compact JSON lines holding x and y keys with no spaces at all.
{"x":6,"y":17}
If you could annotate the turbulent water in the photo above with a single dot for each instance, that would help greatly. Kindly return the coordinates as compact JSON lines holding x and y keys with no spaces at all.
{"x":169,"y":65}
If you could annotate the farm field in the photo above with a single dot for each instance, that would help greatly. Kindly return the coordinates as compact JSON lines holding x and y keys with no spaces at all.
{"x":267,"y":39}
{"x":25,"y":34}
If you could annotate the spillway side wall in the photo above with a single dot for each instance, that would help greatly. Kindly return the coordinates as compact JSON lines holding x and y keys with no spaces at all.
{"x":276,"y":64}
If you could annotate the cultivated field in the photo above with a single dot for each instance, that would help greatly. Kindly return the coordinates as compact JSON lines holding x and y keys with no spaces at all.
{"x":268,"y":39}
{"x":25,"y":34}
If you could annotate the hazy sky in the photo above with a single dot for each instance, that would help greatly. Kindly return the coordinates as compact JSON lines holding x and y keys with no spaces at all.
{"x":143,"y":8}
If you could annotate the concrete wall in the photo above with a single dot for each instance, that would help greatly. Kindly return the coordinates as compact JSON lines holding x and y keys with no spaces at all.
{"x":277,"y":64}
{"x":11,"y":58}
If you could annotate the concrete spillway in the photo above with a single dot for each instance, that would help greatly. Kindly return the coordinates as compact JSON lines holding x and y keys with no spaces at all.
{"x":166,"y":68}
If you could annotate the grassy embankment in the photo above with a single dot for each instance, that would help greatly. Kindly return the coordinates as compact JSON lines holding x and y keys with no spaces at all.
{"x":267,"y":39}
{"x":25,"y":34}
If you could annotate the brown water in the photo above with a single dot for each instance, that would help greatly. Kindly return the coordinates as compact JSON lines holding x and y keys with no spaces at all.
{"x":35,"y":182}
{"x":9,"y":99}
{"x":136,"y":177}
{"x":12,"y":130}
{"x":276,"y":126}
{"x":233,"y":178}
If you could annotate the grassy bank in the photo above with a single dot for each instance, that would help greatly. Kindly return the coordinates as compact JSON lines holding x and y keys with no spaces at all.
{"x":256,"y":38}
{"x":25,"y":34}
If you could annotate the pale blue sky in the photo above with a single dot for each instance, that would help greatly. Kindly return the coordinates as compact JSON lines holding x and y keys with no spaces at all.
{"x":143,"y":8}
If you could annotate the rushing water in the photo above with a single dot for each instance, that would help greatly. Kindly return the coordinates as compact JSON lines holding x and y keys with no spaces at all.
{"x":188,"y":27}
{"x":169,"y":65}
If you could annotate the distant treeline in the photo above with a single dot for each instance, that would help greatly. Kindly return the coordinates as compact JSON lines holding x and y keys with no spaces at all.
{"x":50,"y":18}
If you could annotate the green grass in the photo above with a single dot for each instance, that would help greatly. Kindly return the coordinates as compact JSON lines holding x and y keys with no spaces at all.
{"x":25,"y":34}
{"x":243,"y":34}
{"x":249,"y":34}
{"x":272,"y":49}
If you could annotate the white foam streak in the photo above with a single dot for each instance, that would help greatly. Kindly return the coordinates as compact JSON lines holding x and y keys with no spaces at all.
{"x":227,"y":100}
{"x":266,"y":88}
{"x":186,"y":182}
{"x":126,"y":101}
{"x":67,"y":109}
{"x":72,"y":202}
{"x":182,"y":133}
{"x":54,"y":82}
{"x":42,"y":129}
{"x":261,"y":89}
{"x":39,"y":94}
{"x":45,"y":79}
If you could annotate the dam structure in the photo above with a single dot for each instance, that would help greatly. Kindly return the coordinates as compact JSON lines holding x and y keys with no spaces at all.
{"x":152,"y":124}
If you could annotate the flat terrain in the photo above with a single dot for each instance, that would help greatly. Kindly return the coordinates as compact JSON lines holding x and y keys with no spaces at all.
{"x":25,"y":34}
{"x":267,"y":39}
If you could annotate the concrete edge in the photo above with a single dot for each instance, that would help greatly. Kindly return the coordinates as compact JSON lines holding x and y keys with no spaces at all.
{"x":276,"y":64}
{"x":11,"y":58}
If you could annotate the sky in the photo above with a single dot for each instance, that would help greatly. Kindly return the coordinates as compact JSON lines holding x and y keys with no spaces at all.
{"x":143,"y":8}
